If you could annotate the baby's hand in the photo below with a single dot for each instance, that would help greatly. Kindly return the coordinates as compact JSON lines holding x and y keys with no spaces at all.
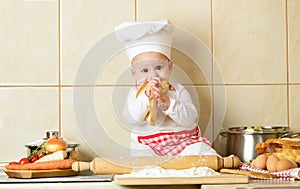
{"x":158,"y":89}
{"x":153,"y":86}
{"x":163,"y":103}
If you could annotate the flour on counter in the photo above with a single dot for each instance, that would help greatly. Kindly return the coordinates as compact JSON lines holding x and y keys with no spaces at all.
{"x":156,"y":171}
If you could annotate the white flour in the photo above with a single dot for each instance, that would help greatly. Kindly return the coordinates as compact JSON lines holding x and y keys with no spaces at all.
{"x":156,"y":171}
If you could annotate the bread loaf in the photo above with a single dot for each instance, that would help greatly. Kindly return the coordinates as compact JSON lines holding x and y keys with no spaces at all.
{"x":284,"y":148}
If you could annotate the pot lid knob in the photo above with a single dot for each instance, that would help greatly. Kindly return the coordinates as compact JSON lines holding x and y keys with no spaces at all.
{"x":50,"y":134}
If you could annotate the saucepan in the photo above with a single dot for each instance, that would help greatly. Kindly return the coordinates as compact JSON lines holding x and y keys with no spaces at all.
{"x":49,"y":134}
{"x":241,"y":140}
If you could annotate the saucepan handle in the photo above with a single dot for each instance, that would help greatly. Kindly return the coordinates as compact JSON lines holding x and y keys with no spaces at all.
{"x":224,"y":133}
{"x":290,"y":135}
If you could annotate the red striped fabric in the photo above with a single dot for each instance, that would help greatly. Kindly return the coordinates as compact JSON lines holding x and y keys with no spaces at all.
{"x":172,"y":143}
{"x":283,"y":175}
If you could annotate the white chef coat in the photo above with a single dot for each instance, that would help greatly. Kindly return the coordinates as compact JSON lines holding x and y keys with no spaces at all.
{"x":181,"y":115}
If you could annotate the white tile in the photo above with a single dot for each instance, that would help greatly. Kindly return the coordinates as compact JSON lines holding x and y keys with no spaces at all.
{"x":85,"y":24}
{"x":256,"y":105}
{"x":294,"y":40}
{"x":28,"y":42}
{"x":190,"y":15}
{"x":294,"y":108}
{"x":250,"y":41}
{"x":89,"y":118}
{"x":26,"y":114}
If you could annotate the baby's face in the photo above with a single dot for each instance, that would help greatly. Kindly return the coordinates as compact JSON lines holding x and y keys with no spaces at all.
{"x":143,"y":69}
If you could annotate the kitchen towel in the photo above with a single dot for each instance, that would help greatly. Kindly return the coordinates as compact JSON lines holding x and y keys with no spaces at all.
{"x":291,"y":174}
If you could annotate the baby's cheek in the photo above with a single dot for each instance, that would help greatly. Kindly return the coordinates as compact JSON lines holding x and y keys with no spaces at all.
{"x":164,"y":76}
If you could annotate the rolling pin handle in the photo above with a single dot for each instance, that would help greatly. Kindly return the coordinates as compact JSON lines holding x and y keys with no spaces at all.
{"x":231,"y":162}
{"x":80,"y":166}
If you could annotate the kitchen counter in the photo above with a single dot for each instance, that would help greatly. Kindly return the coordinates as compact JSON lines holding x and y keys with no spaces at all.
{"x":106,"y":182}
{"x":257,"y":184}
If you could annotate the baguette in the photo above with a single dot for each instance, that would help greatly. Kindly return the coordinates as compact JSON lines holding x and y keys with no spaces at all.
{"x":152,"y":110}
{"x":142,"y":89}
{"x":249,"y":173}
{"x":151,"y":114}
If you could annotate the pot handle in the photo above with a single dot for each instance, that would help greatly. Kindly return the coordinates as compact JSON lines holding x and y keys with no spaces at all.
{"x":224,"y":133}
{"x":290,"y":135}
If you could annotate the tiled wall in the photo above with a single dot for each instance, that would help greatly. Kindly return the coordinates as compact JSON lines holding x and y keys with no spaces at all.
{"x":44,"y":44}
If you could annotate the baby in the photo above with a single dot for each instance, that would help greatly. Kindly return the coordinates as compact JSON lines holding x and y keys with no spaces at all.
{"x":161,"y":113}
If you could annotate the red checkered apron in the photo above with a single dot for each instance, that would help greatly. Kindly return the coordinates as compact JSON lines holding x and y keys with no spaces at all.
{"x":172,"y":143}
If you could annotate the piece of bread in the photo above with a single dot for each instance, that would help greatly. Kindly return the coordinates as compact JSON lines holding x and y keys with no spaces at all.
{"x":249,"y":173}
{"x":59,"y":155}
{"x":284,"y":148}
{"x":151,"y":113}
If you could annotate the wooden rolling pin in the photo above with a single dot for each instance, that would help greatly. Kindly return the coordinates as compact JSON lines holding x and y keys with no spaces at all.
{"x":124,"y":165}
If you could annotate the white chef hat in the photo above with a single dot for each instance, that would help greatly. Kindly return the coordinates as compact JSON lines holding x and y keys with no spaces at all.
{"x":149,"y":36}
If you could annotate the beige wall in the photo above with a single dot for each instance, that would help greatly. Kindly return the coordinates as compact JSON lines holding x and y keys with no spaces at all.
{"x":43,"y":44}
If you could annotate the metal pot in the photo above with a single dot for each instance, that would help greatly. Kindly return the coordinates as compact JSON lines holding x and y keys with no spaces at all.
{"x":49,"y":134}
{"x":241,"y":141}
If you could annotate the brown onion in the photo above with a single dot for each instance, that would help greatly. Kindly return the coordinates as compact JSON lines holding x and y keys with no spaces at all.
{"x":55,"y":144}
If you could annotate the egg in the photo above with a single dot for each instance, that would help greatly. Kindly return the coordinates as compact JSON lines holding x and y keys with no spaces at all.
{"x":285,"y":164}
{"x":272,"y":163}
{"x":260,"y":161}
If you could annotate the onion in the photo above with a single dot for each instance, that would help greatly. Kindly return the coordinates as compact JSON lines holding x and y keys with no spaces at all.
{"x":55,"y":144}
